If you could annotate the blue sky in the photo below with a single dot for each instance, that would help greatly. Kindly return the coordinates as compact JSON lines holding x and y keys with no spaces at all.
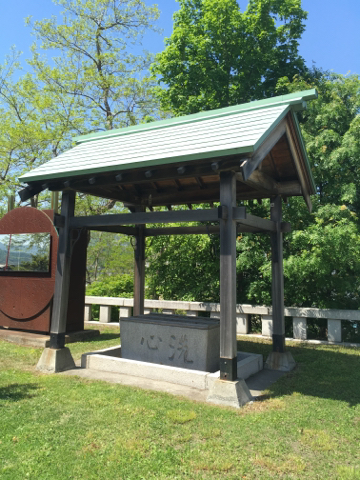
{"x":331,"y":39}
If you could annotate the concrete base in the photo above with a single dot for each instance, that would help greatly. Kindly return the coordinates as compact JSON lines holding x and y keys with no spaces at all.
{"x":39,"y":340}
{"x":55,"y":360}
{"x":282,"y":362}
{"x":234,"y":394}
{"x":229,"y":394}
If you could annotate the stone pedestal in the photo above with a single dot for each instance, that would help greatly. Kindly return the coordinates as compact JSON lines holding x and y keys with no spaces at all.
{"x":281,"y":361}
{"x":55,"y":360}
{"x":266,"y":325}
{"x":229,"y":394}
{"x":242,"y":323}
{"x":334,"y":330}
{"x":125,"y":312}
{"x":174,"y":340}
{"x":299,"y":328}
{"x":87,"y":313}
{"x":105,"y":314}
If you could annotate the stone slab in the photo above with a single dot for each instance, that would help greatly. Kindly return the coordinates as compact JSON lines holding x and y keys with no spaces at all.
{"x":55,"y":360}
{"x":191,"y":343}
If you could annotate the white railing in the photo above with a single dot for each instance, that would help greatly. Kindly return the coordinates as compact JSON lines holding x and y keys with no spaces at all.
{"x":299,"y":315}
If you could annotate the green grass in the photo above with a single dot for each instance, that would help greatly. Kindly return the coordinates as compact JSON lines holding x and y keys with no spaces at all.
{"x":58,"y":427}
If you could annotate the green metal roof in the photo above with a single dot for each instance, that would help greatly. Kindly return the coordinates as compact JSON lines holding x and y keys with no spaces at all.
{"x":233,"y":130}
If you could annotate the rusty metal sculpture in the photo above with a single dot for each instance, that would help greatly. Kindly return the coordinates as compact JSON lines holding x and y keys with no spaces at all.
{"x":26,"y":296}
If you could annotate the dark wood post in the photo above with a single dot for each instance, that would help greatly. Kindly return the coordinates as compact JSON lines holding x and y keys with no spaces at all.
{"x":62,"y":276}
{"x":139,"y":272}
{"x":228,"y":350}
{"x":277,"y":278}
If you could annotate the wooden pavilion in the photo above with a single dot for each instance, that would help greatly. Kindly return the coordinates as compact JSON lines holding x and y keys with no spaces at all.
{"x":248,"y":151}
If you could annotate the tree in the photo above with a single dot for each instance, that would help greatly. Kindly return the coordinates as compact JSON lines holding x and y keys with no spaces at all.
{"x":331,"y":127}
{"x":321,"y":254}
{"x":94,"y":62}
{"x":218,"y":56}
{"x":183,"y":267}
{"x":35,"y":126}
{"x":93,"y":82}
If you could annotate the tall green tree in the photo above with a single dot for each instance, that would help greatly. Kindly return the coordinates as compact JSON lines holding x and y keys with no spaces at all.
{"x":321,"y":254}
{"x":331,"y":127}
{"x":35,"y":126}
{"x":86,"y":79}
{"x":219,"y":56}
{"x":94,"y":59}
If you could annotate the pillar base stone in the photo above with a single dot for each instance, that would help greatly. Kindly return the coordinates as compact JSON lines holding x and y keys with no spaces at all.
{"x":282,"y":362}
{"x":229,"y":394}
{"x":55,"y":360}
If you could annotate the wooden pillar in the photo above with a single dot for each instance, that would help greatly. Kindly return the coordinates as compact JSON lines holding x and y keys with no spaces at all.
{"x":277,"y":278}
{"x":55,"y":201}
{"x":62,"y":276}
{"x":228,"y":350}
{"x":139,"y":272}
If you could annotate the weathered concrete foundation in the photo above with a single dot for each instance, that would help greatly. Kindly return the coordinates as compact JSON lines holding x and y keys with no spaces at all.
{"x":235,"y":395}
{"x":282,"y":361}
{"x":55,"y":360}
{"x":229,"y":394}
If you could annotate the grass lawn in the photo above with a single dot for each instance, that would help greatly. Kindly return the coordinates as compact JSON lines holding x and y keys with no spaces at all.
{"x":58,"y":427}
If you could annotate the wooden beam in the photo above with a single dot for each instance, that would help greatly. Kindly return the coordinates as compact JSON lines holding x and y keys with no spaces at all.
{"x":30,"y":191}
{"x":137,"y":175}
{"x":117,"y":229}
{"x":298,"y":161}
{"x":228,"y":350}
{"x":62,"y":275}
{"x":249,"y":165}
{"x":198,"y":230}
{"x":139,"y":270}
{"x":259,"y":181}
{"x":138,"y":218}
{"x":253,"y":221}
{"x":185,"y":196}
{"x":277,"y":287}
{"x":112,"y":194}
{"x":201,"y":229}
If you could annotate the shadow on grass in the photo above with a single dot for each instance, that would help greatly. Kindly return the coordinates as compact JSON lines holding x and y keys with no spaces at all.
{"x":321,"y":371}
{"x":17,"y":391}
{"x":103,"y":337}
